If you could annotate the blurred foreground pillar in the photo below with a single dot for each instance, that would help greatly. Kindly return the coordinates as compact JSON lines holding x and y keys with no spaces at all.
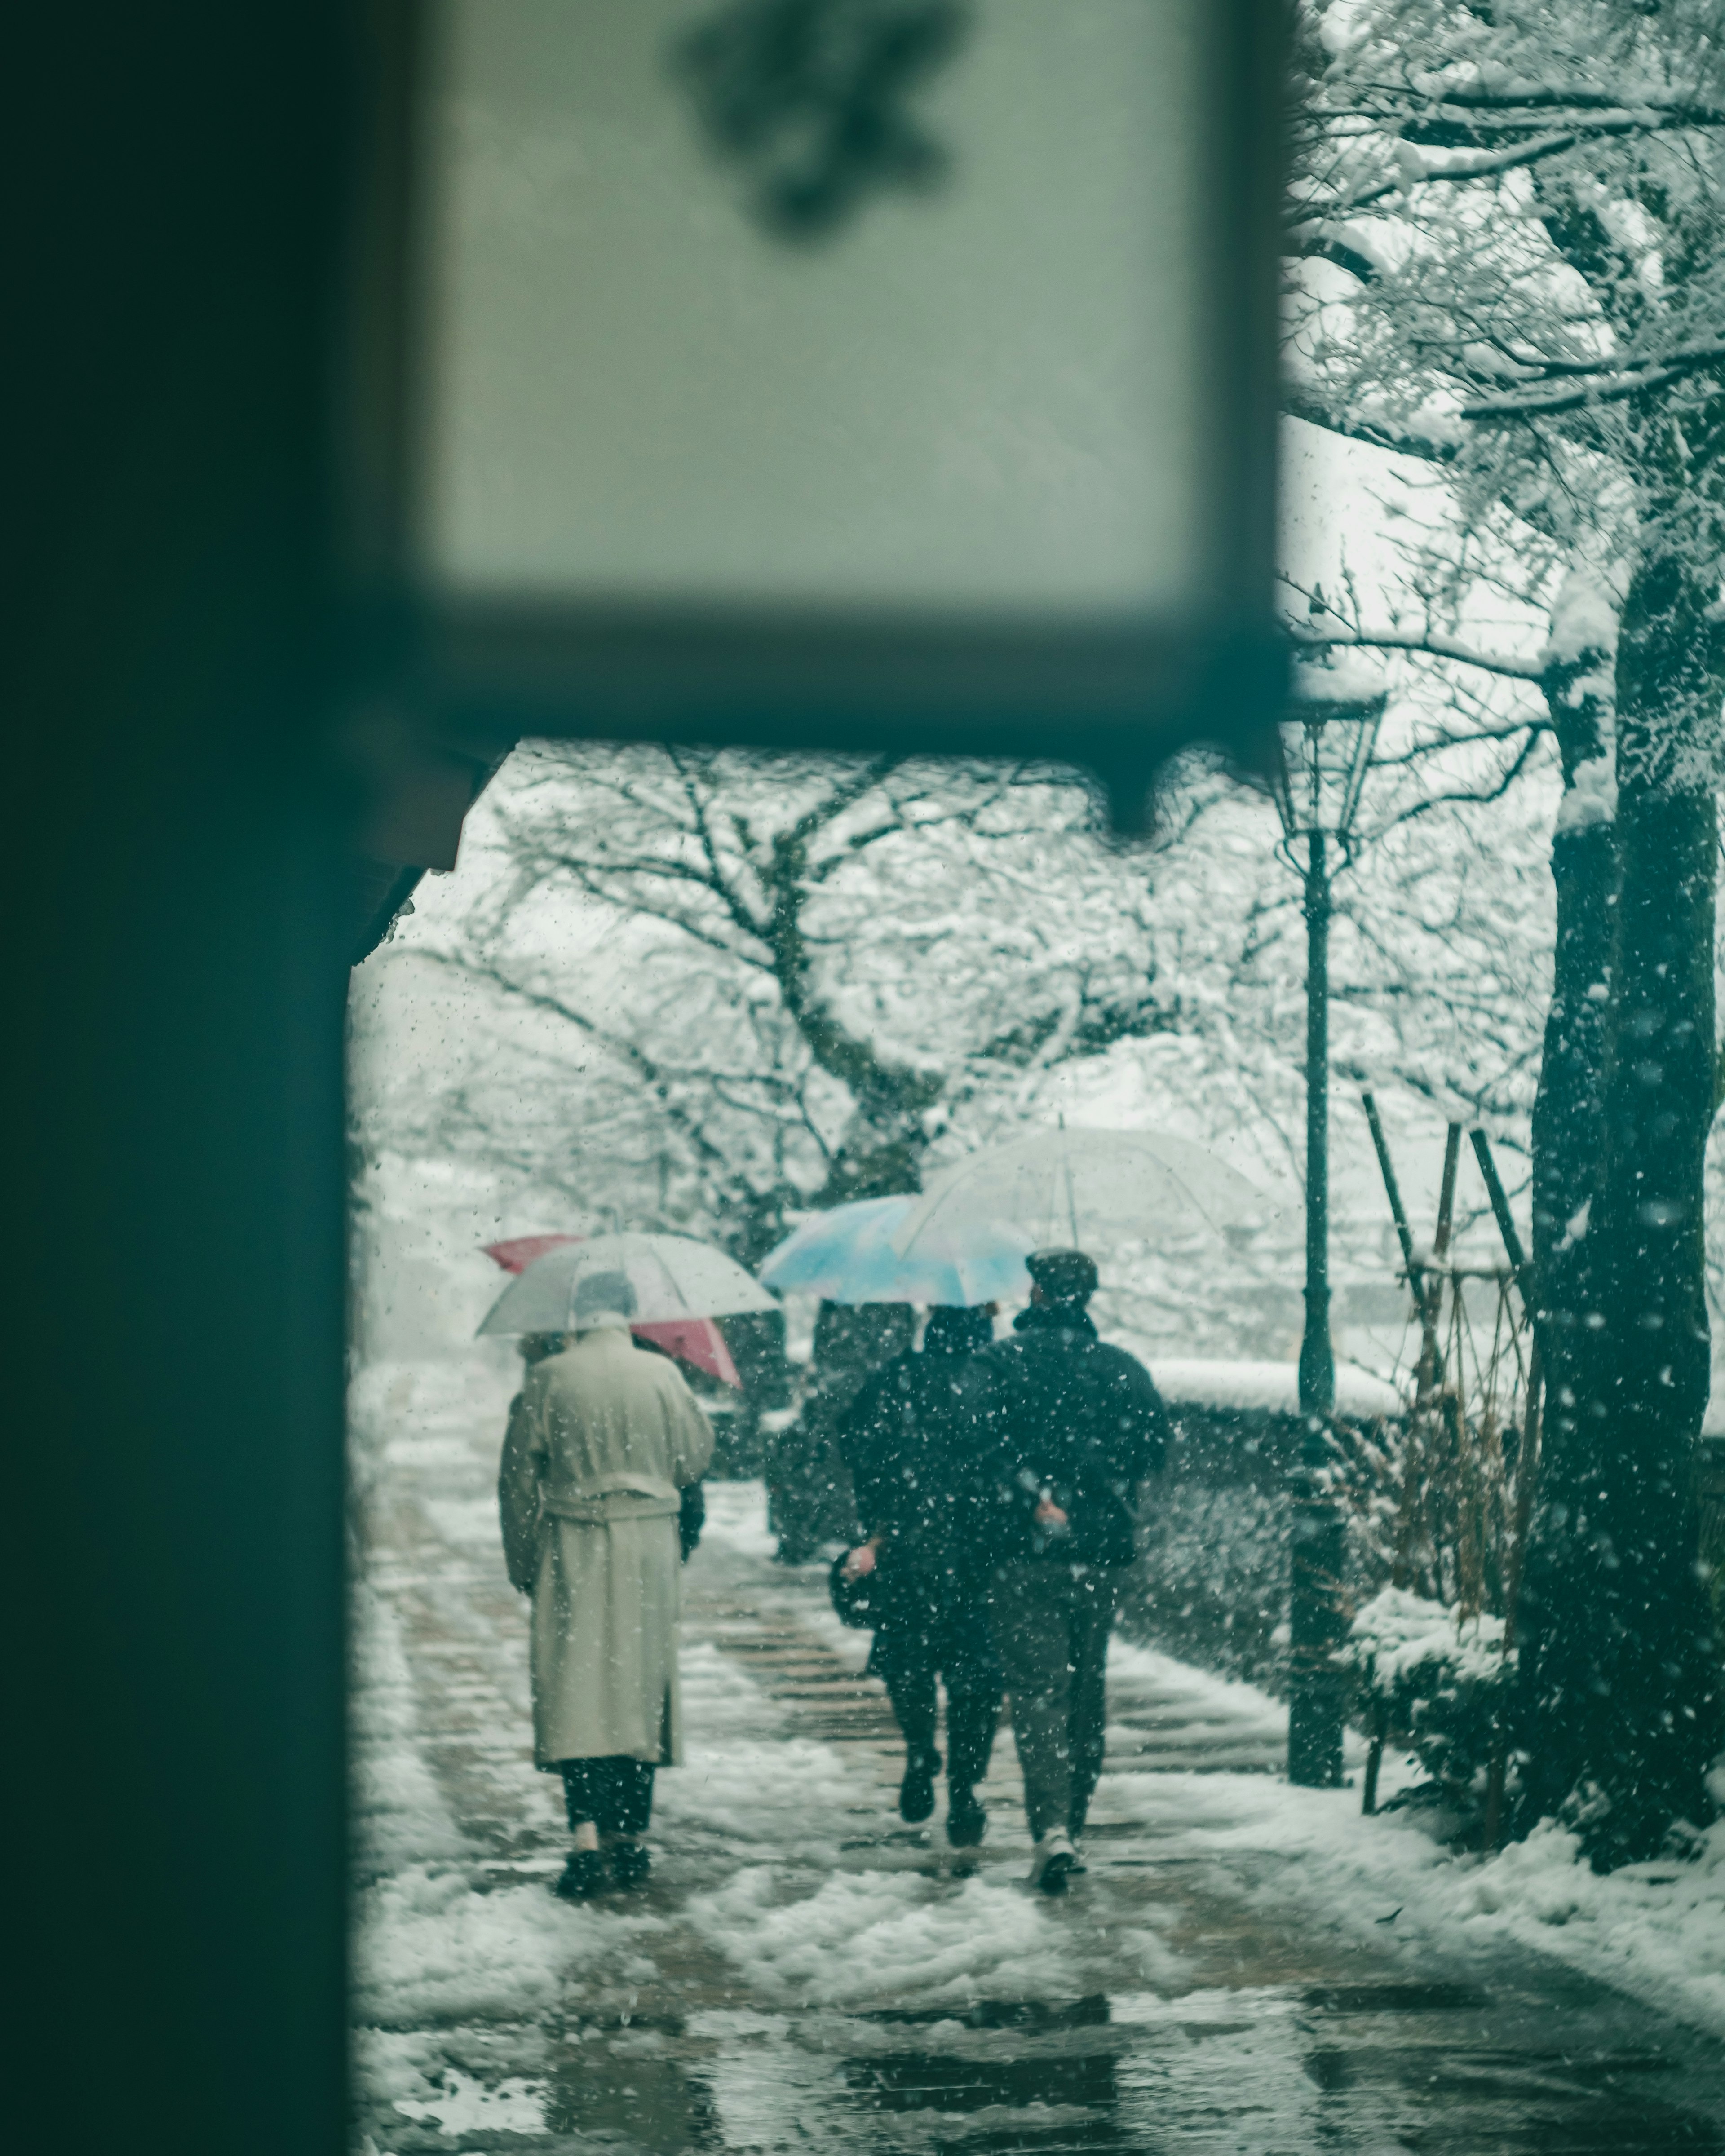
{"x":173,"y":1114}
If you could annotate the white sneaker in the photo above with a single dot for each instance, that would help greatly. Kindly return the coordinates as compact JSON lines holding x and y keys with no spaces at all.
{"x":1052,"y":1862}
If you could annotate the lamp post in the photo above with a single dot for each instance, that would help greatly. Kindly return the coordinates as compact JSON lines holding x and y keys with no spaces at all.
{"x":1326,"y":745}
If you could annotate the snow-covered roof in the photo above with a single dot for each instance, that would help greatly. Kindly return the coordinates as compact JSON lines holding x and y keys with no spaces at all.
{"x":1272,"y":1385}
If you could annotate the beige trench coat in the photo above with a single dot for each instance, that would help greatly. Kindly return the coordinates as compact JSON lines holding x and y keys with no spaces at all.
{"x":601,"y":1441}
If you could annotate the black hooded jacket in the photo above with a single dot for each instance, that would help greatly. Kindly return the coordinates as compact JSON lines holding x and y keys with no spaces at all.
{"x":907,"y":1444}
{"x":1056,"y":1411}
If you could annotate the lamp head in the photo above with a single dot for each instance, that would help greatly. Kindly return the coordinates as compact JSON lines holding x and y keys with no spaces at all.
{"x":1335,"y":707}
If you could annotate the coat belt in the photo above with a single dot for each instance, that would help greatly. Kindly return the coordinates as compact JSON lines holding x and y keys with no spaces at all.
{"x":647,"y":1497}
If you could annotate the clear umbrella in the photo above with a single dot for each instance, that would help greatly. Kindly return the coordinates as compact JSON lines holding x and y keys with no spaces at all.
{"x":696,"y":1341}
{"x":673,"y":1276}
{"x":1081,"y":1189}
{"x":847,"y":1255}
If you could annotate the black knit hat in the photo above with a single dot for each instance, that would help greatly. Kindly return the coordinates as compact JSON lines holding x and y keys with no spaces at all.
{"x":950,"y":1331}
{"x":1063,"y":1275}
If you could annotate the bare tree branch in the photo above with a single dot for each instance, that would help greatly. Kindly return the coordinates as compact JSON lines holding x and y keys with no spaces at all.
{"x":1305,"y":401}
{"x":1431,"y":643}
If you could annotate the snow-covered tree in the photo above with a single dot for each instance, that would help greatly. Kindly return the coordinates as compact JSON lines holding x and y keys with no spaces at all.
{"x":1511,"y":218}
{"x":716,"y":990}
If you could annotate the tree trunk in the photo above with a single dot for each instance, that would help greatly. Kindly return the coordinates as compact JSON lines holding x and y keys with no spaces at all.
{"x":1619,"y":1677}
{"x":1569,"y":1148}
{"x":1568,"y":1112}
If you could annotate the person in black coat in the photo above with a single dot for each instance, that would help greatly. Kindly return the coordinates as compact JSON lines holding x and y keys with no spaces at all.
{"x":809,"y":1499}
{"x":909,"y":1453}
{"x":1064,"y":1429}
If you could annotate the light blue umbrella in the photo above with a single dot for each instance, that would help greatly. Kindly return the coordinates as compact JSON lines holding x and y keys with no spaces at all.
{"x":847,"y":1255}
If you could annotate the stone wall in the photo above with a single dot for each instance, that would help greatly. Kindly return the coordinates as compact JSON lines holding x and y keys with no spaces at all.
{"x":1211,"y":1582}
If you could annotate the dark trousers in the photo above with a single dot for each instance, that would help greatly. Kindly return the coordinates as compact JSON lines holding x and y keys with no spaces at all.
{"x":616,"y":1793}
{"x":936,"y":1627}
{"x":1051,"y":1627}
{"x":972,"y":1716}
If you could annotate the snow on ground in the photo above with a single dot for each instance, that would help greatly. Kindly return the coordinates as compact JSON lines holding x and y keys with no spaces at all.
{"x":882,"y":1938}
{"x":432,"y":1949}
{"x":1656,"y":1931}
{"x":465,"y":2106}
{"x":398,"y":1813}
{"x":447,"y":1940}
{"x":783,"y":1802}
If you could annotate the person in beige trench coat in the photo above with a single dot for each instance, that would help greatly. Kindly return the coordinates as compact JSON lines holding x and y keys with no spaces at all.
{"x":602,"y":1441}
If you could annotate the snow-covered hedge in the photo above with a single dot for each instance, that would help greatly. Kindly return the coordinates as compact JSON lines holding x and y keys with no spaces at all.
{"x":1211,"y":1584}
{"x":1437,"y":1679}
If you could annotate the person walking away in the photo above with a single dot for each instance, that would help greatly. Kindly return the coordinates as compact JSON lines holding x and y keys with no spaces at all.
{"x":904,"y":1444}
{"x":602,"y":1442}
{"x":809,"y":1499}
{"x":1067,"y":1427}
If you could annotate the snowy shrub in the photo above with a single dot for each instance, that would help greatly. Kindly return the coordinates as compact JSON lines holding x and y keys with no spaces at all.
{"x":1435,"y":1678}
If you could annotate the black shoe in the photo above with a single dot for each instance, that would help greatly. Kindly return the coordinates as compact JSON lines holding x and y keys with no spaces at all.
{"x":585,"y":1875}
{"x":1056,"y":1873}
{"x":1053,"y":1863}
{"x":631,"y":1865}
{"x":915,"y":1793}
{"x":966,"y":1821}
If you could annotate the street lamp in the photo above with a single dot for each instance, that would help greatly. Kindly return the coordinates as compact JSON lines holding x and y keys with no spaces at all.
{"x":1336,"y":705}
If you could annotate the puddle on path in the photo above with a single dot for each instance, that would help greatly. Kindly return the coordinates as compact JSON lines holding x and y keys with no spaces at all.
{"x":1268,"y":2073}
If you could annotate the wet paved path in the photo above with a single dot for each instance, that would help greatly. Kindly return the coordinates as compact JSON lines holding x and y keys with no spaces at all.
{"x":803,"y":1973}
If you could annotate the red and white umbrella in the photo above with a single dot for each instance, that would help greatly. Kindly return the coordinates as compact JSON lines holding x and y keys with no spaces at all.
{"x":696,"y":1341}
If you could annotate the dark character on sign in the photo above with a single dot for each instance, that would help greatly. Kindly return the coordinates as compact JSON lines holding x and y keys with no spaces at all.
{"x":812,"y":97}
